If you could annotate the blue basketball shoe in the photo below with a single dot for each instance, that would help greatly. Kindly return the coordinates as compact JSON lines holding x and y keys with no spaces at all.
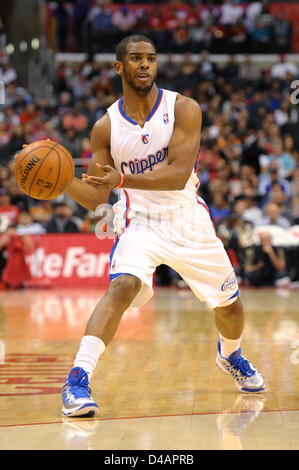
{"x":247,"y":378}
{"x":76,"y":395}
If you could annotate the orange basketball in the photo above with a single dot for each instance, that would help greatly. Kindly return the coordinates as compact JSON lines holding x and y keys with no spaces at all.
{"x":43,"y":169}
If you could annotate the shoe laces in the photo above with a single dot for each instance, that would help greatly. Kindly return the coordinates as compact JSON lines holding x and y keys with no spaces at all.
{"x":80,"y":382}
{"x":244,"y":366}
{"x":84,"y":383}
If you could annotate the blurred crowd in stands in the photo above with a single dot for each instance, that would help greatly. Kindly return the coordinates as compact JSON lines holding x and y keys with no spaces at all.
{"x":248,"y":164}
{"x":229,"y":26}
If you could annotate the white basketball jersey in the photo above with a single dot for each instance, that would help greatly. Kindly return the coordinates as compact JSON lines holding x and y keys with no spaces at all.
{"x":136,"y":150}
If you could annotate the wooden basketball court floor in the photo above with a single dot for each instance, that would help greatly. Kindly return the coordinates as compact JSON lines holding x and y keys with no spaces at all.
{"x":157,"y":385}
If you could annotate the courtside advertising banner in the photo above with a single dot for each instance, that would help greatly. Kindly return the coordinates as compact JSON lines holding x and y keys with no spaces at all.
{"x":71,"y":260}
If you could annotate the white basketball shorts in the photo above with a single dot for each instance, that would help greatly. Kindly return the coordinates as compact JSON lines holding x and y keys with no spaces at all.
{"x":186,"y":241}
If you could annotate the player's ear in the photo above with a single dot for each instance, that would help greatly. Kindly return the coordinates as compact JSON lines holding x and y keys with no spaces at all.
{"x":118,"y":67}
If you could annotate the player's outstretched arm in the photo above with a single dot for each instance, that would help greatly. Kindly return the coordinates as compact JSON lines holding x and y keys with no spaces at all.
{"x":182,"y":152}
{"x":90,"y":195}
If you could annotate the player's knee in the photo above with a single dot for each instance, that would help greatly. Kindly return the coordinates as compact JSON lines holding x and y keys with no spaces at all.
{"x":233,"y":310}
{"x":125,"y":287}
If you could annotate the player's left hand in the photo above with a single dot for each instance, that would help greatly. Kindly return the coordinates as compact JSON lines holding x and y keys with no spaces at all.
{"x":108,"y":181}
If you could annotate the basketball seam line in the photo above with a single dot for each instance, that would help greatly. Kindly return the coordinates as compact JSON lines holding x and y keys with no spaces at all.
{"x":44,"y":159}
{"x":48,"y":195}
{"x":18,"y":162}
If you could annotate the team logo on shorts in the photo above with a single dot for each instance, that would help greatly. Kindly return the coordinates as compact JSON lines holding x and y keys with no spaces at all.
{"x":230,"y":282}
{"x":145,"y":138}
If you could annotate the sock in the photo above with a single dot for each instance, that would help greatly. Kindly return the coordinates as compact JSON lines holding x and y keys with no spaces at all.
{"x":228,"y":346}
{"x":91,"y":347}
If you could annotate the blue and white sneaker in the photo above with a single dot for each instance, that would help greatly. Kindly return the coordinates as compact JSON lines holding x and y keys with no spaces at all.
{"x":76,"y":395}
{"x":247,"y":378}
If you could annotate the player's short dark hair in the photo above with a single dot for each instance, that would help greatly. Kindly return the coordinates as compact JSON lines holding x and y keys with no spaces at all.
{"x":121,"y":49}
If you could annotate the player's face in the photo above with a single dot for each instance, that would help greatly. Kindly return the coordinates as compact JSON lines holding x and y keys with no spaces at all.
{"x":139,"y":68}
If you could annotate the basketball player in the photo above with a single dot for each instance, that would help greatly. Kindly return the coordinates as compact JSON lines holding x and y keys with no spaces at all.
{"x":147,"y":144}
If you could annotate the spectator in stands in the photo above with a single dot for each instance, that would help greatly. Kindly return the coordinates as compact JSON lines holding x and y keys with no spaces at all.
{"x":81,"y":9}
{"x":72,"y":141}
{"x":230,"y":13}
{"x":261,"y":37}
{"x":44,"y":108}
{"x":2,"y":33}
{"x":247,"y":188}
{"x":289,"y":146}
{"x":257,"y":101}
{"x":269,"y":179}
{"x":264,"y":264}
{"x":61,"y":78}
{"x":233,"y":107}
{"x":16,"y":271}
{"x":26,"y":225}
{"x":124,"y":20}
{"x":15,"y":143}
{"x":90,"y":222}
{"x":187,"y":67}
{"x":61,"y":16}
{"x":171,"y":19}
{"x":7,"y":73}
{"x":282,"y":68}
{"x":285,"y":113}
{"x":286,"y":164}
{"x":181,"y":38}
{"x":101,"y":29}
{"x":248,"y":71}
{"x":142,"y":19}
{"x":20,"y":99}
{"x":231,"y":69}
{"x":17,"y":197}
{"x":4,"y":176}
{"x":10,"y":118}
{"x":80,"y":86}
{"x":254,"y":9}
{"x":86,"y":151}
{"x":62,"y":220}
{"x":7,"y":209}
{"x":206,"y":68}
{"x":4,"y":134}
{"x":237,"y":235}
{"x":273,"y":216}
{"x":274,"y":136}
{"x":281,"y":199}
{"x":50,"y":132}
{"x":157,"y":30}
{"x":74,"y":120}
{"x":29,"y":114}
{"x":197,"y":34}
{"x":239,"y":37}
{"x":42,"y":212}
{"x":252,"y":213}
{"x":219,"y":208}
{"x":282,"y":32}
{"x":65,"y":104}
{"x":168,"y":71}
{"x":93,"y":111}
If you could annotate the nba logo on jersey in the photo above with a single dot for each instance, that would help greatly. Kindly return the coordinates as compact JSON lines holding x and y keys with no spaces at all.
{"x":165,"y":118}
{"x":144,"y":138}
